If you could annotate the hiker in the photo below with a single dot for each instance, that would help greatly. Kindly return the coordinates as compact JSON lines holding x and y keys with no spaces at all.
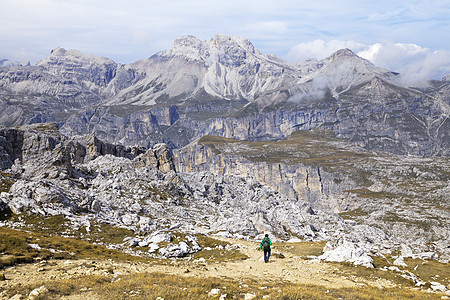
{"x":265,"y":245}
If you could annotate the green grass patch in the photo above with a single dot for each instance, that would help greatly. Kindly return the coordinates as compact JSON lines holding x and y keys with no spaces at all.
{"x":366,"y":193}
{"x":106,"y":233}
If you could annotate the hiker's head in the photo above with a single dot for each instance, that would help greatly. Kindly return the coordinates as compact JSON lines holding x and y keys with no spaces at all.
{"x":267,"y":235}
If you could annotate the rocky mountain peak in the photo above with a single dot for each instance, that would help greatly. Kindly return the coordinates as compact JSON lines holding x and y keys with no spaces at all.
{"x":344,"y":69}
{"x":73,"y":58}
{"x":58,"y":51}
{"x":186,"y":42}
{"x":222,"y":40}
{"x":343,"y":53}
{"x":227,"y":50}
{"x":221,"y":86}
{"x":75,"y":64}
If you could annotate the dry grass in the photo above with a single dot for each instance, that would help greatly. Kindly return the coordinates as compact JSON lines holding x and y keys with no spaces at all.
{"x":217,"y":252}
{"x":310,"y":148}
{"x":302,"y":249}
{"x":98,"y":232}
{"x":15,"y":248}
{"x":6,"y":181}
{"x":427,"y":270}
{"x":153,"y":285}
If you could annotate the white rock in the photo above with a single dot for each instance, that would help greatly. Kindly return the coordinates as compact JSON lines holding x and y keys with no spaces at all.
{"x":133,"y":241}
{"x":406,"y":251}
{"x":328,"y":246}
{"x":145,"y":221}
{"x":35,"y":246}
{"x":153,"y":247}
{"x":436,"y":286}
{"x":249,"y":296}
{"x":143,"y":244}
{"x":396,"y":269}
{"x":130,"y":219}
{"x":294,"y":240}
{"x":400,"y":262}
{"x":159,"y":237}
{"x":178,"y":250}
{"x":426,"y":255}
{"x":214,"y":292}
{"x":348,"y":252}
{"x":37,"y":292}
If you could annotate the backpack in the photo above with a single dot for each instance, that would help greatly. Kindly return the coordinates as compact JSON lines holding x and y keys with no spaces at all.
{"x":266,"y":244}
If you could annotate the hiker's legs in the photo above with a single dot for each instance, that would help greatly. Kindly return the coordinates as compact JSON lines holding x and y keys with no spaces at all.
{"x":266,"y":255}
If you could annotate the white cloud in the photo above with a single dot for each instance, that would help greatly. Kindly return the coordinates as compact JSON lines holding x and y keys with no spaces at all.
{"x":319,"y":49}
{"x":415,"y":64}
{"x":269,"y":27}
{"x":315,"y":89}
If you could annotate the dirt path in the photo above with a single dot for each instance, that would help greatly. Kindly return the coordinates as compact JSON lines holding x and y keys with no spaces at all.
{"x":288,"y":269}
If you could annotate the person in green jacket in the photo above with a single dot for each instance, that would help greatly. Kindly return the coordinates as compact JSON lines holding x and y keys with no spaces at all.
{"x":265,"y":245}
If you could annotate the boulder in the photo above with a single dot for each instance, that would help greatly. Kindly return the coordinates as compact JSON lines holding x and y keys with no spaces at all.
{"x":177,"y":250}
{"x":348,"y":252}
{"x":159,"y":237}
{"x":400,"y":262}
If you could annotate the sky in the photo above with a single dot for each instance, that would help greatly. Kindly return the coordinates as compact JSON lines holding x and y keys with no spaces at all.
{"x":405,"y":36}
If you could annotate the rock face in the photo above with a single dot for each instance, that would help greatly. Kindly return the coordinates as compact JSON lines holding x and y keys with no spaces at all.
{"x":306,"y":183}
{"x":225,"y":86}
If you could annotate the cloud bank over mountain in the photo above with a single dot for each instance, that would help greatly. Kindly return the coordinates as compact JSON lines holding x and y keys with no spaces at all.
{"x":415,"y":64}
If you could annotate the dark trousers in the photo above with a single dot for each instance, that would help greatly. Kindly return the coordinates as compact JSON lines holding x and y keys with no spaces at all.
{"x":266,"y":255}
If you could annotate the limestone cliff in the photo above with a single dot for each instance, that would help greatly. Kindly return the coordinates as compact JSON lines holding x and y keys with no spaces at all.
{"x":308,"y":183}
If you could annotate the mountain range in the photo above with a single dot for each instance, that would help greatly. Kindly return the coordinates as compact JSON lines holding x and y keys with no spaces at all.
{"x":226,"y":87}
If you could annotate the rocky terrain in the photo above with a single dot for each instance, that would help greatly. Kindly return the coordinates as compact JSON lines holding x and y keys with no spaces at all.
{"x":230,"y":188}
{"x":226,"y":87}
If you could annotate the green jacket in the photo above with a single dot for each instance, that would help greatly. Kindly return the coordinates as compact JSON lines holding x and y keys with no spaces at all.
{"x":262,"y":242}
